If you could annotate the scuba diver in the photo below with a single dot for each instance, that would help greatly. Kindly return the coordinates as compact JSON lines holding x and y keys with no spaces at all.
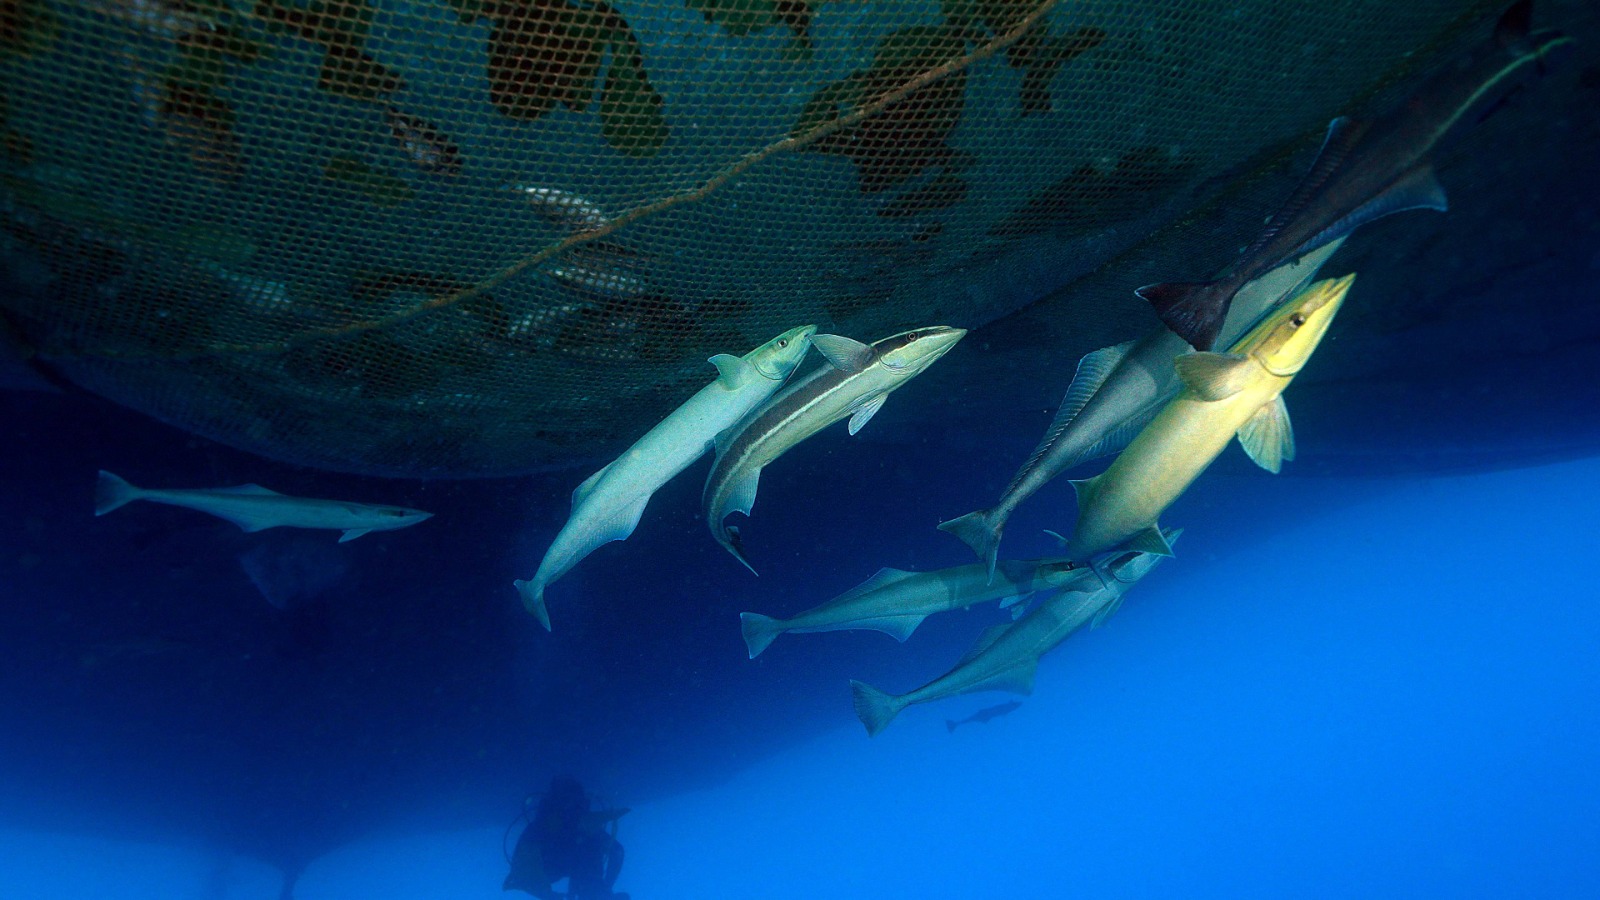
{"x":567,"y":839}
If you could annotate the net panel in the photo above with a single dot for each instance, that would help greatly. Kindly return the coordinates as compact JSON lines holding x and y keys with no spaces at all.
{"x":478,"y":237}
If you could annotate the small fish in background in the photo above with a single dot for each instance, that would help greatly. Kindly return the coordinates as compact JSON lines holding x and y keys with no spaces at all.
{"x":854,"y":382}
{"x":1371,"y":168}
{"x":254,"y":508}
{"x":983,"y":716}
{"x":564,"y":209}
{"x":608,"y":505}
{"x":259,"y":294}
{"x":1225,"y":394}
{"x":1006,"y":656}
{"x":423,"y":142}
{"x":598,"y":280}
{"x":895,"y":602}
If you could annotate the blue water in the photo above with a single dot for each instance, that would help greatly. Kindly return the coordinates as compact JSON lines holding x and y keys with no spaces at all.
{"x":1343,"y":686}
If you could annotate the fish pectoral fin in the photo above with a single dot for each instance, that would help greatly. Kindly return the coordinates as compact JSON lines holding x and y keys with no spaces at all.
{"x":864,"y":412}
{"x":582,"y":491}
{"x":350,"y":534}
{"x":1268,"y":436}
{"x":733,"y":371}
{"x":1213,"y":376}
{"x":842,"y":353}
{"x":984,"y":642}
{"x":1149,"y":540}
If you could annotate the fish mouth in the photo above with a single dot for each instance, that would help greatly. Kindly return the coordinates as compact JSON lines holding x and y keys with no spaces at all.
{"x":797,"y":335}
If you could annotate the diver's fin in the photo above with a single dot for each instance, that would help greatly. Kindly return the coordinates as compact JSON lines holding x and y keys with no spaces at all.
{"x":111,"y":492}
{"x":1268,"y":436}
{"x":981,"y":531}
{"x":350,"y":534}
{"x":759,"y":631}
{"x":732,"y":371}
{"x":1149,"y":540}
{"x":879,"y":579}
{"x":582,"y":491}
{"x":532,"y":594}
{"x":1193,"y":311}
{"x":865,"y":412}
{"x":874,"y":708}
{"x":1214,"y":376}
{"x":1416,"y":189}
{"x":842,"y":353}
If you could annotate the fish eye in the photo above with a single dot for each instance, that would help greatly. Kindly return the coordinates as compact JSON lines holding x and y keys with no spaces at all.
{"x":783,"y":343}
{"x":1297,"y":320}
{"x":912,"y":337}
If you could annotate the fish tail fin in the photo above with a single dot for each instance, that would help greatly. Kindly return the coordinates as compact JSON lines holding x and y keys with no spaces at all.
{"x":533,"y":600}
{"x":111,"y":492}
{"x":874,"y":708}
{"x":731,"y":539}
{"x":759,"y":631}
{"x":1193,"y":310}
{"x":981,"y":531}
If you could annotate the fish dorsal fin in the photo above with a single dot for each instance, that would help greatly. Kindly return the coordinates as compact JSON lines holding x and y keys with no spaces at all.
{"x":1343,"y":133}
{"x":1084,"y":489}
{"x":842,"y":353}
{"x":1118,"y":438}
{"x":247,"y":489}
{"x":732,"y":371}
{"x":881,"y":578}
{"x":984,"y":642}
{"x":1092,"y":371}
{"x":1268,"y":436}
{"x":1515,"y":24}
{"x":898,"y":627}
{"x":582,"y":491}
{"x":865,"y":411}
{"x":1417,"y":189}
{"x":742,"y":493}
{"x":1213,"y":376}
{"x":1149,"y":540}
{"x":1106,"y":612}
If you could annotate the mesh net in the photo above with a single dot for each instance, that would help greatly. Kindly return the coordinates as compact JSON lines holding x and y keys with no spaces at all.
{"x":476,"y":237}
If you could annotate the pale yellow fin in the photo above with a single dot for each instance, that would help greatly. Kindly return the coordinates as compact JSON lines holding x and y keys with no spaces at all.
{"x":1213,"y":376}
{"x":1268,"y":437}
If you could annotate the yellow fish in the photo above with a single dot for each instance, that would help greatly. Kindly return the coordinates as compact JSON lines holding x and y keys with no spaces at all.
{"x":1224,"y":394}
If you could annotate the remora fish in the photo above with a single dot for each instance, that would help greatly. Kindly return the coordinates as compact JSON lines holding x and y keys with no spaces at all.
{"x":254,"y":508}
{"x":854,"y":384}
{"x":1369,"y":168}
{"x":1239,"y":392}
{"x":895,"y":602}
{"x":607,"y":506}
{"x":423,"y":143}
{"x":1115,"y":392}
{"x":1006,"y":656}
{"x":564,"y":208}
{"x":984,"y":716}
